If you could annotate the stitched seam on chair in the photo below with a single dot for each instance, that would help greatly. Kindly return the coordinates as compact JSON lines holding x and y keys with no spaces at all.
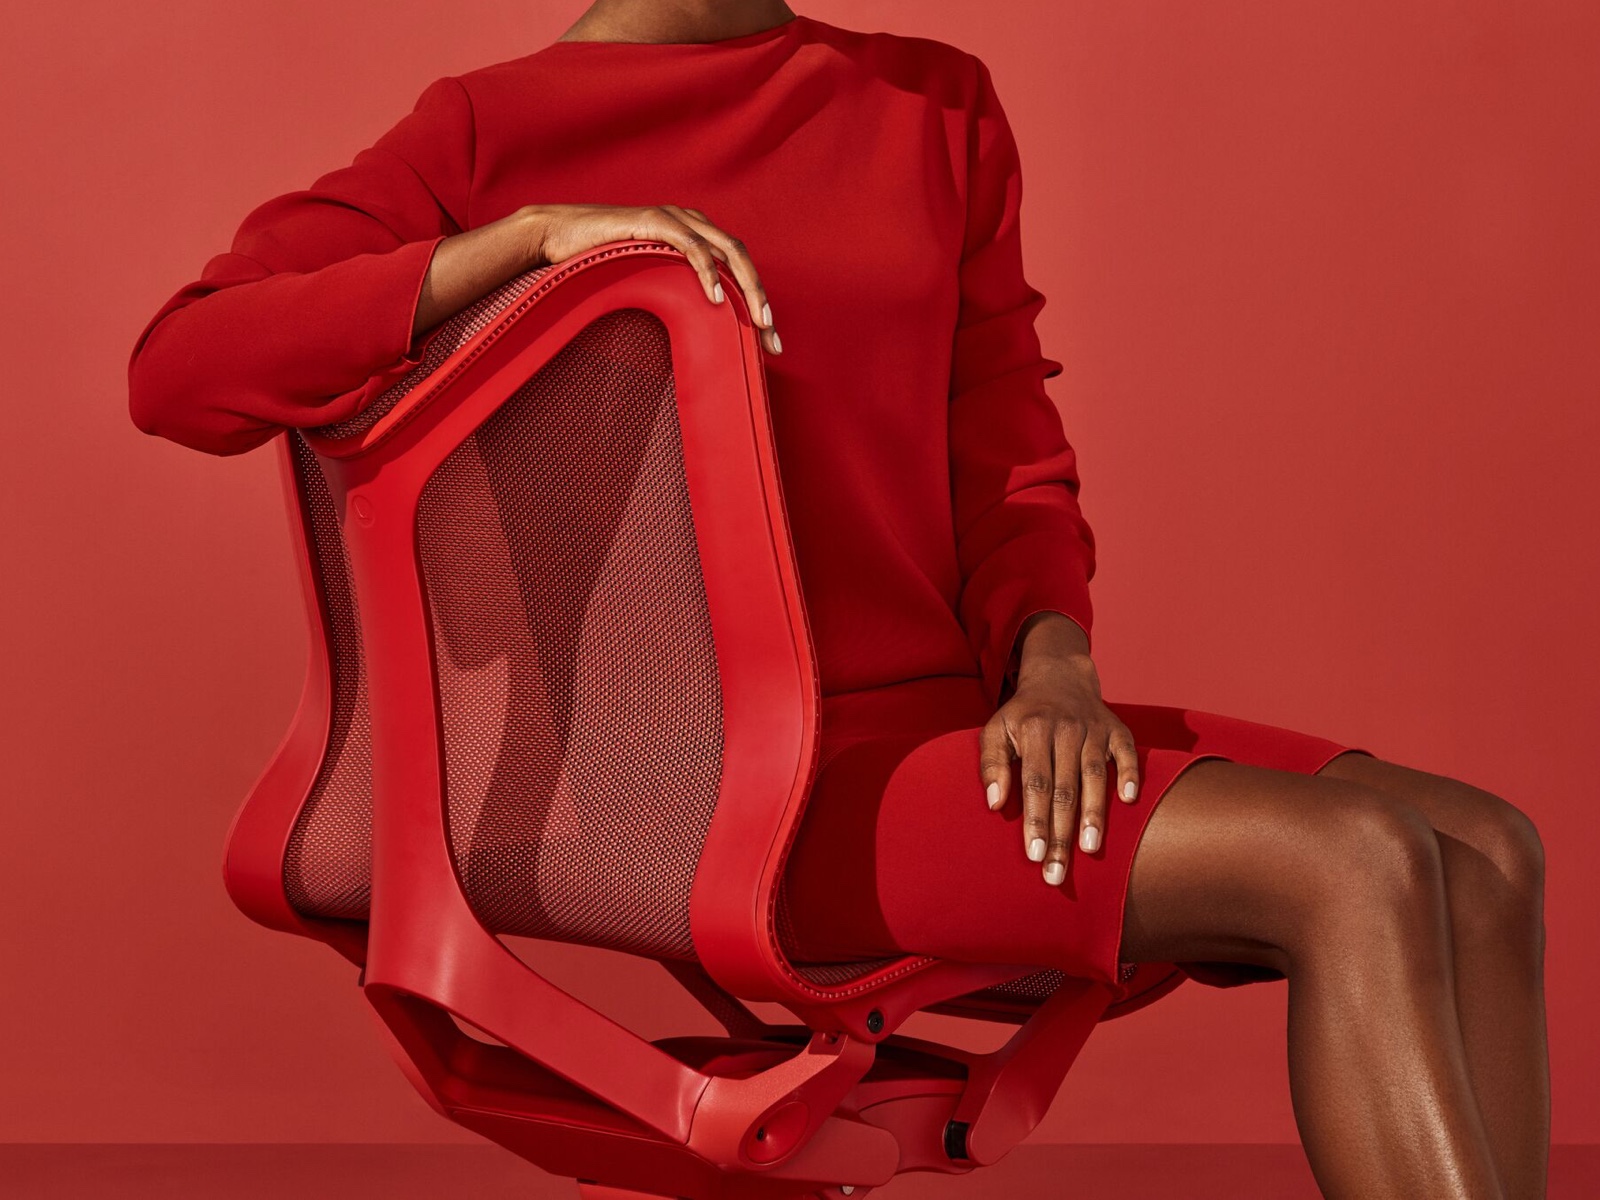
{"x":872,"y":981}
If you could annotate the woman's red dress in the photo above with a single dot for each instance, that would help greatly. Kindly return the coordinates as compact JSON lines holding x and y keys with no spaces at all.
{"x":932,"y":494}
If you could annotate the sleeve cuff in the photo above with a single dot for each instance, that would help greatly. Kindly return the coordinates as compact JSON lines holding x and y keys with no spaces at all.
{"x":1028,"y":575}
{"x":394,"y":291}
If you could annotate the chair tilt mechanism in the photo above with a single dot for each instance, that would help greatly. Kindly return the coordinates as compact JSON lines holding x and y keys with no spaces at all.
{"x":562,"y":686}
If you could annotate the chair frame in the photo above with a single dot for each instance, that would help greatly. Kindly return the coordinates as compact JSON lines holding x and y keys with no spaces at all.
{"x":779,"y":1111}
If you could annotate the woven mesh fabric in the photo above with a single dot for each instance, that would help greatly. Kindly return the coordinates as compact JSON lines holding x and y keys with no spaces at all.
{"x":327,"y":869}
{"x":1038,"y":986}
{"x":578,"y":682}
{"x":445,"y":341}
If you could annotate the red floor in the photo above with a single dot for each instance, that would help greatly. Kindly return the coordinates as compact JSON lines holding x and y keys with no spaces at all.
{"x":395,"y":1172}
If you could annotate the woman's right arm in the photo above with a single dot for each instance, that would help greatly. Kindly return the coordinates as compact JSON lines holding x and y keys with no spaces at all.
{"x":327,"y":294}
{"x":309,"y":315}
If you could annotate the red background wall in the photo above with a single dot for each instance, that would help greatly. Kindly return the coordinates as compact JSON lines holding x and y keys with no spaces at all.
{"x":1325,"y":281}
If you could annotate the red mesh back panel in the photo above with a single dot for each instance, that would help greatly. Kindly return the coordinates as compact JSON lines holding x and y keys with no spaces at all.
{"x":327,"y":870}
{"x":578,"y":683}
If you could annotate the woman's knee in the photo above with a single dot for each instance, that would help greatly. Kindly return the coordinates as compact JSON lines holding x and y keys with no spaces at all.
{"x":1496,"y":873}
{"x":1381,"y":863}
{"x":1510,"y":840}
{"x":1494,"y":856}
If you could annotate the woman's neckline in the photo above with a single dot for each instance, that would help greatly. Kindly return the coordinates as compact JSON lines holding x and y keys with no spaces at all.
{"x":769,"y":34}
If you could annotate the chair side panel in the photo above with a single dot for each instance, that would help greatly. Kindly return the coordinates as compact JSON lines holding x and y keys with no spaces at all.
{"x":327,"y":869}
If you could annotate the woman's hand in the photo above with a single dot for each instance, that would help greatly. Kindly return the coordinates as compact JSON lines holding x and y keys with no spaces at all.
{"x":1061,"y":731}
{"x":468,"y":266}
{"x":564,"y":230}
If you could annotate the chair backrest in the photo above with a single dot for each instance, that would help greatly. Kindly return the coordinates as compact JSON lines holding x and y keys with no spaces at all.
{"x":577,"y":678}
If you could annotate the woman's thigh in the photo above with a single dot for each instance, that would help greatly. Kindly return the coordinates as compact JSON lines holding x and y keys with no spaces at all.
{"x":1237,"y":839}
{"x":898,"y":852}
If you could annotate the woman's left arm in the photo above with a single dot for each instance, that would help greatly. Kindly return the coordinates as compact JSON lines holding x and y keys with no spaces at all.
{"x":1025,"y":551}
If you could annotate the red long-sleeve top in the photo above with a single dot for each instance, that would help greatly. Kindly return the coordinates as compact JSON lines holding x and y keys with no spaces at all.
{"x":875,"y":181}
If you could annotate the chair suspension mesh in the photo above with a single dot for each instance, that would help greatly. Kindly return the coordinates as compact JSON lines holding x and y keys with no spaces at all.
{"x":578,"y":683}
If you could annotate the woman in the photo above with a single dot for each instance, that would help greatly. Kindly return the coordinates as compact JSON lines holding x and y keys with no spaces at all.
{"x":871,"y":183}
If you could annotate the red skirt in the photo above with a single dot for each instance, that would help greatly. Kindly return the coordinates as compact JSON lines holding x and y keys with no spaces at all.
{"x":898,"y":853}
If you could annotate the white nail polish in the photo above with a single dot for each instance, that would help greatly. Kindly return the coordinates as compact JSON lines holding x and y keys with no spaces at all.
{"x":1054,"y":874}
{"x":716,"y":291}
{"x":994,"y":795}
{"x":1090,"y":839}
{"x":1036,"y":850}
{"x":1128,"y":789}
{"x":777,"y":344}
{"x":766,"y":313}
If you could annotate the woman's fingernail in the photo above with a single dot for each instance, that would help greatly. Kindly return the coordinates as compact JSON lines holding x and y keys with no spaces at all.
{"x":766,"y":313}
{"x":1089,"y":839}
{"x":1054,"y":874}
{"x":777,"y":344}
{"x":716,"y":292}
{"x":1036,"y":850}
{"x":994,"y":795}
{"x":1129,"y":789}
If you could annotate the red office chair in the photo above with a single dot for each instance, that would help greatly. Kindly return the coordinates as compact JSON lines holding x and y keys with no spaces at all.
{"x":562,"y":686}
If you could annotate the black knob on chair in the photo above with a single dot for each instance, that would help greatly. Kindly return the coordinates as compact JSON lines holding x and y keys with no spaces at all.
{"x":955,"y":1139}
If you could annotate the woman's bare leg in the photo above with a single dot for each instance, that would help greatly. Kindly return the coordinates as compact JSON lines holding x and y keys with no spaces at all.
{"x":1494,"y":882}
{"x":1342,"y":889}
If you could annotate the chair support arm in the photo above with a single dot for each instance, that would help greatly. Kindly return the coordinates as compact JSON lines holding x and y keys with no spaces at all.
{"x":1010,"y":1089}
